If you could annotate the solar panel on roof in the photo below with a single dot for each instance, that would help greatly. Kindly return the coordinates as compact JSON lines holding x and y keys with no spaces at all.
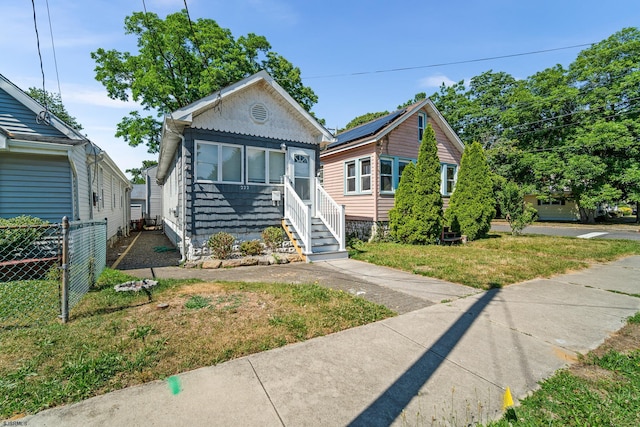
{"x":366,"y":129}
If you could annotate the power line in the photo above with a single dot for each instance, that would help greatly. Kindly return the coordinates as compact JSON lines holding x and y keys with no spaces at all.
{"x":43,"y":117}
{"x":467,"y":61}
{"x":53,"y":46}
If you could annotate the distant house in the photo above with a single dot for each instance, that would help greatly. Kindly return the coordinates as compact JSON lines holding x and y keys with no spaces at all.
{"x":138,"y":201}
{"x":146,"y":199}
{"x":362,"y":168}
{"x":559,"y":207}
{"x":243,"y":159}
{"x":49,"y":170}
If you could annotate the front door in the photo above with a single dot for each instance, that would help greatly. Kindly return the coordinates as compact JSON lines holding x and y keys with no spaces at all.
{"x":301,"y":170}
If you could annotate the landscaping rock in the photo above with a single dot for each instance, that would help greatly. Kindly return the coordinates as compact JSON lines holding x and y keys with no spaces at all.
{"x":266,"y":260}
{"x":231,"y":263}
{"x":191,"y":264}
{"x":212,"y":264}
{"x":294,"y":257}
{"x":248,"y":261}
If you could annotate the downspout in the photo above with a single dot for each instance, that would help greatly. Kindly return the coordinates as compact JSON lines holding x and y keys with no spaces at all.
{"x":184,"y":201}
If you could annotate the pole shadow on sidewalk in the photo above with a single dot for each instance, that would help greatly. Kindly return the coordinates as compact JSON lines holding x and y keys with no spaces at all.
{"x":386,"y":408}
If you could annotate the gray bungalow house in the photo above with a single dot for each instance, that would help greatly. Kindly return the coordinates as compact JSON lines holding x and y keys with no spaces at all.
{"x":49,"y":170}
{"x":243,"y":159}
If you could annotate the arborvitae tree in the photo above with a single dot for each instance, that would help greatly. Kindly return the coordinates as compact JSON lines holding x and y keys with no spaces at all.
{"x":401,"y":211}
{"x":425,"y":221}
{"x":472,"y":206}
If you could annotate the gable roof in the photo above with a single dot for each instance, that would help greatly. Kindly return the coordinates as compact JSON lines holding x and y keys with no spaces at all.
{"x":175,"y":123}
{"x":378,"y":128}
{"x":19,"y":118}
{"x":367,"y":129}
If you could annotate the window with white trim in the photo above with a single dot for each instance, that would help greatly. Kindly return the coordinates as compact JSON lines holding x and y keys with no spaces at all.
{"x":391,"y":169}
{"x":216,"y":162}
{"x":422,"y":124}
{"x":449,"y":177}
{"x":551,"y":201}
{"x":357,"y":175}
{"x":265,"y":166}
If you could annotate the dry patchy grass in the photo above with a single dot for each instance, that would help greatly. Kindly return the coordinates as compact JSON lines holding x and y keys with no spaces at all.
{"x":116,"y":340}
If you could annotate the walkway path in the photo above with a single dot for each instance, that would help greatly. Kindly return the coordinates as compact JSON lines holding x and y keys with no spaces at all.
{"x":443,"y":364}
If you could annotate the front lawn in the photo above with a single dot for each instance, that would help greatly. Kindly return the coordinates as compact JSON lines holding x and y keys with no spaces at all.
{"x":115,"y":340}
{"x":501,"y":259}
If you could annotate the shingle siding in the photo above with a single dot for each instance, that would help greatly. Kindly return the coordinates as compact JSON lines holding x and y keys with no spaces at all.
{"x":242,"y":210}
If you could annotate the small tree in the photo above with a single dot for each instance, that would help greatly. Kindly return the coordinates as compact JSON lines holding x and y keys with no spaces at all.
{"x":472,"y":206}
{"x":401,"y":211}
{"x":516,"y":211}
{"x":425,"y":220}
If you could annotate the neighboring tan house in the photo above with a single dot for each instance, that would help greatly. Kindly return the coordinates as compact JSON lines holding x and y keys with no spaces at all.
{"x":241,"y":160}
{"x":49,"y":170}
{"x":362,"y":169}
{"x":555,"y":208}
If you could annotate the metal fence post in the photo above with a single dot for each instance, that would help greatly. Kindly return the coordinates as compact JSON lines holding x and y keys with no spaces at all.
{"x":65,"y":271}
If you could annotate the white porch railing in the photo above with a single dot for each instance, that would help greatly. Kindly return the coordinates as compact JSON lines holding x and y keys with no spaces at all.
{"x":299,"y":213}
{"x":331,"y":213}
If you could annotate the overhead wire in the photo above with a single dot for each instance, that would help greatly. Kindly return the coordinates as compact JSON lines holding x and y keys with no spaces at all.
{"x":53,"y":47}
{"x":467,"y":61}
{"x":43,"y":116}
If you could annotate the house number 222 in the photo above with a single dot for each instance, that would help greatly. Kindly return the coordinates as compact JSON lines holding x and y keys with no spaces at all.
{"x":244,"y":187}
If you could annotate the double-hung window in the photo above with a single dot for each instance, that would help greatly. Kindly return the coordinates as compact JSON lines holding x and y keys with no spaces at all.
{"x":449,"y":177}
{"x":551,"y":201}
{"x":357,"y":176}
{"x":218,"y":162}
{"x":391,"y":169}
{"x":264,"y":166}
{"x":422,"y":124}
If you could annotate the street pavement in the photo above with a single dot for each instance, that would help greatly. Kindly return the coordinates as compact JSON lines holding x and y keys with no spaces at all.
{"x":585,"y":231}
{"x":448,"y":362}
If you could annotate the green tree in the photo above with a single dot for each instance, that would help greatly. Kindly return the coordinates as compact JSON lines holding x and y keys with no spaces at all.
{"x":400,"y":214}
{"x":137,"y":174}
{"x":420,"y":96}
{"x":54,"y":104}
{"x":472,"y":206}
{"x":425,"y":220}
{"x":516,"y":211}
{"x":364,"y":119}
{"x":180,"y":61}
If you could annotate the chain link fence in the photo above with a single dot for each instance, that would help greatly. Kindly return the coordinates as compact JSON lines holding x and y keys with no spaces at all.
{"x":29,"y":277}
{"x":87,"y":250}
{"x":45,"y":270}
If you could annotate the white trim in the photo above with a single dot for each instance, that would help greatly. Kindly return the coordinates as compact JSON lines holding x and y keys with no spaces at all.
{"x":220,"y":179}
{"x":358,"y":176}
{"x":34,"y":106}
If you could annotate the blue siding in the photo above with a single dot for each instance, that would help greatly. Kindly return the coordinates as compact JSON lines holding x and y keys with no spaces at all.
{"x":15,"y":117}
{"x":35,"y":185}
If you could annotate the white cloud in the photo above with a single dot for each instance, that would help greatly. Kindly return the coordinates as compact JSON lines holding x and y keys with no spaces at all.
{"x":436,"y":81}
{"x":79,"y":94}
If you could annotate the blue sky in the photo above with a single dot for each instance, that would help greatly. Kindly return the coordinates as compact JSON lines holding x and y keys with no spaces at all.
{"x":322,"y":38}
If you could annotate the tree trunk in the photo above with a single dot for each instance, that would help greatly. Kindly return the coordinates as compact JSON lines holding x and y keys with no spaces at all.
{"x":587,"y":216}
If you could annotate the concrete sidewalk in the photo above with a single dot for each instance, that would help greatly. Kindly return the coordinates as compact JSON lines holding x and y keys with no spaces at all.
{"x":446,"y":364}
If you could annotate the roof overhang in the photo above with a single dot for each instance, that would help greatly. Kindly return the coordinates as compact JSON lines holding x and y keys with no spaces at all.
{"x":431,"y":110}
{"x":175,"y":123}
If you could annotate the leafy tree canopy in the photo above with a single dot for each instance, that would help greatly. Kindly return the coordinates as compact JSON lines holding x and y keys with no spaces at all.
{"x":573,"y":130}
{"x":360,"y":120}
{"x":54,"y":104}
{"x":137,"y":174}
{"x":180,"y":61}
